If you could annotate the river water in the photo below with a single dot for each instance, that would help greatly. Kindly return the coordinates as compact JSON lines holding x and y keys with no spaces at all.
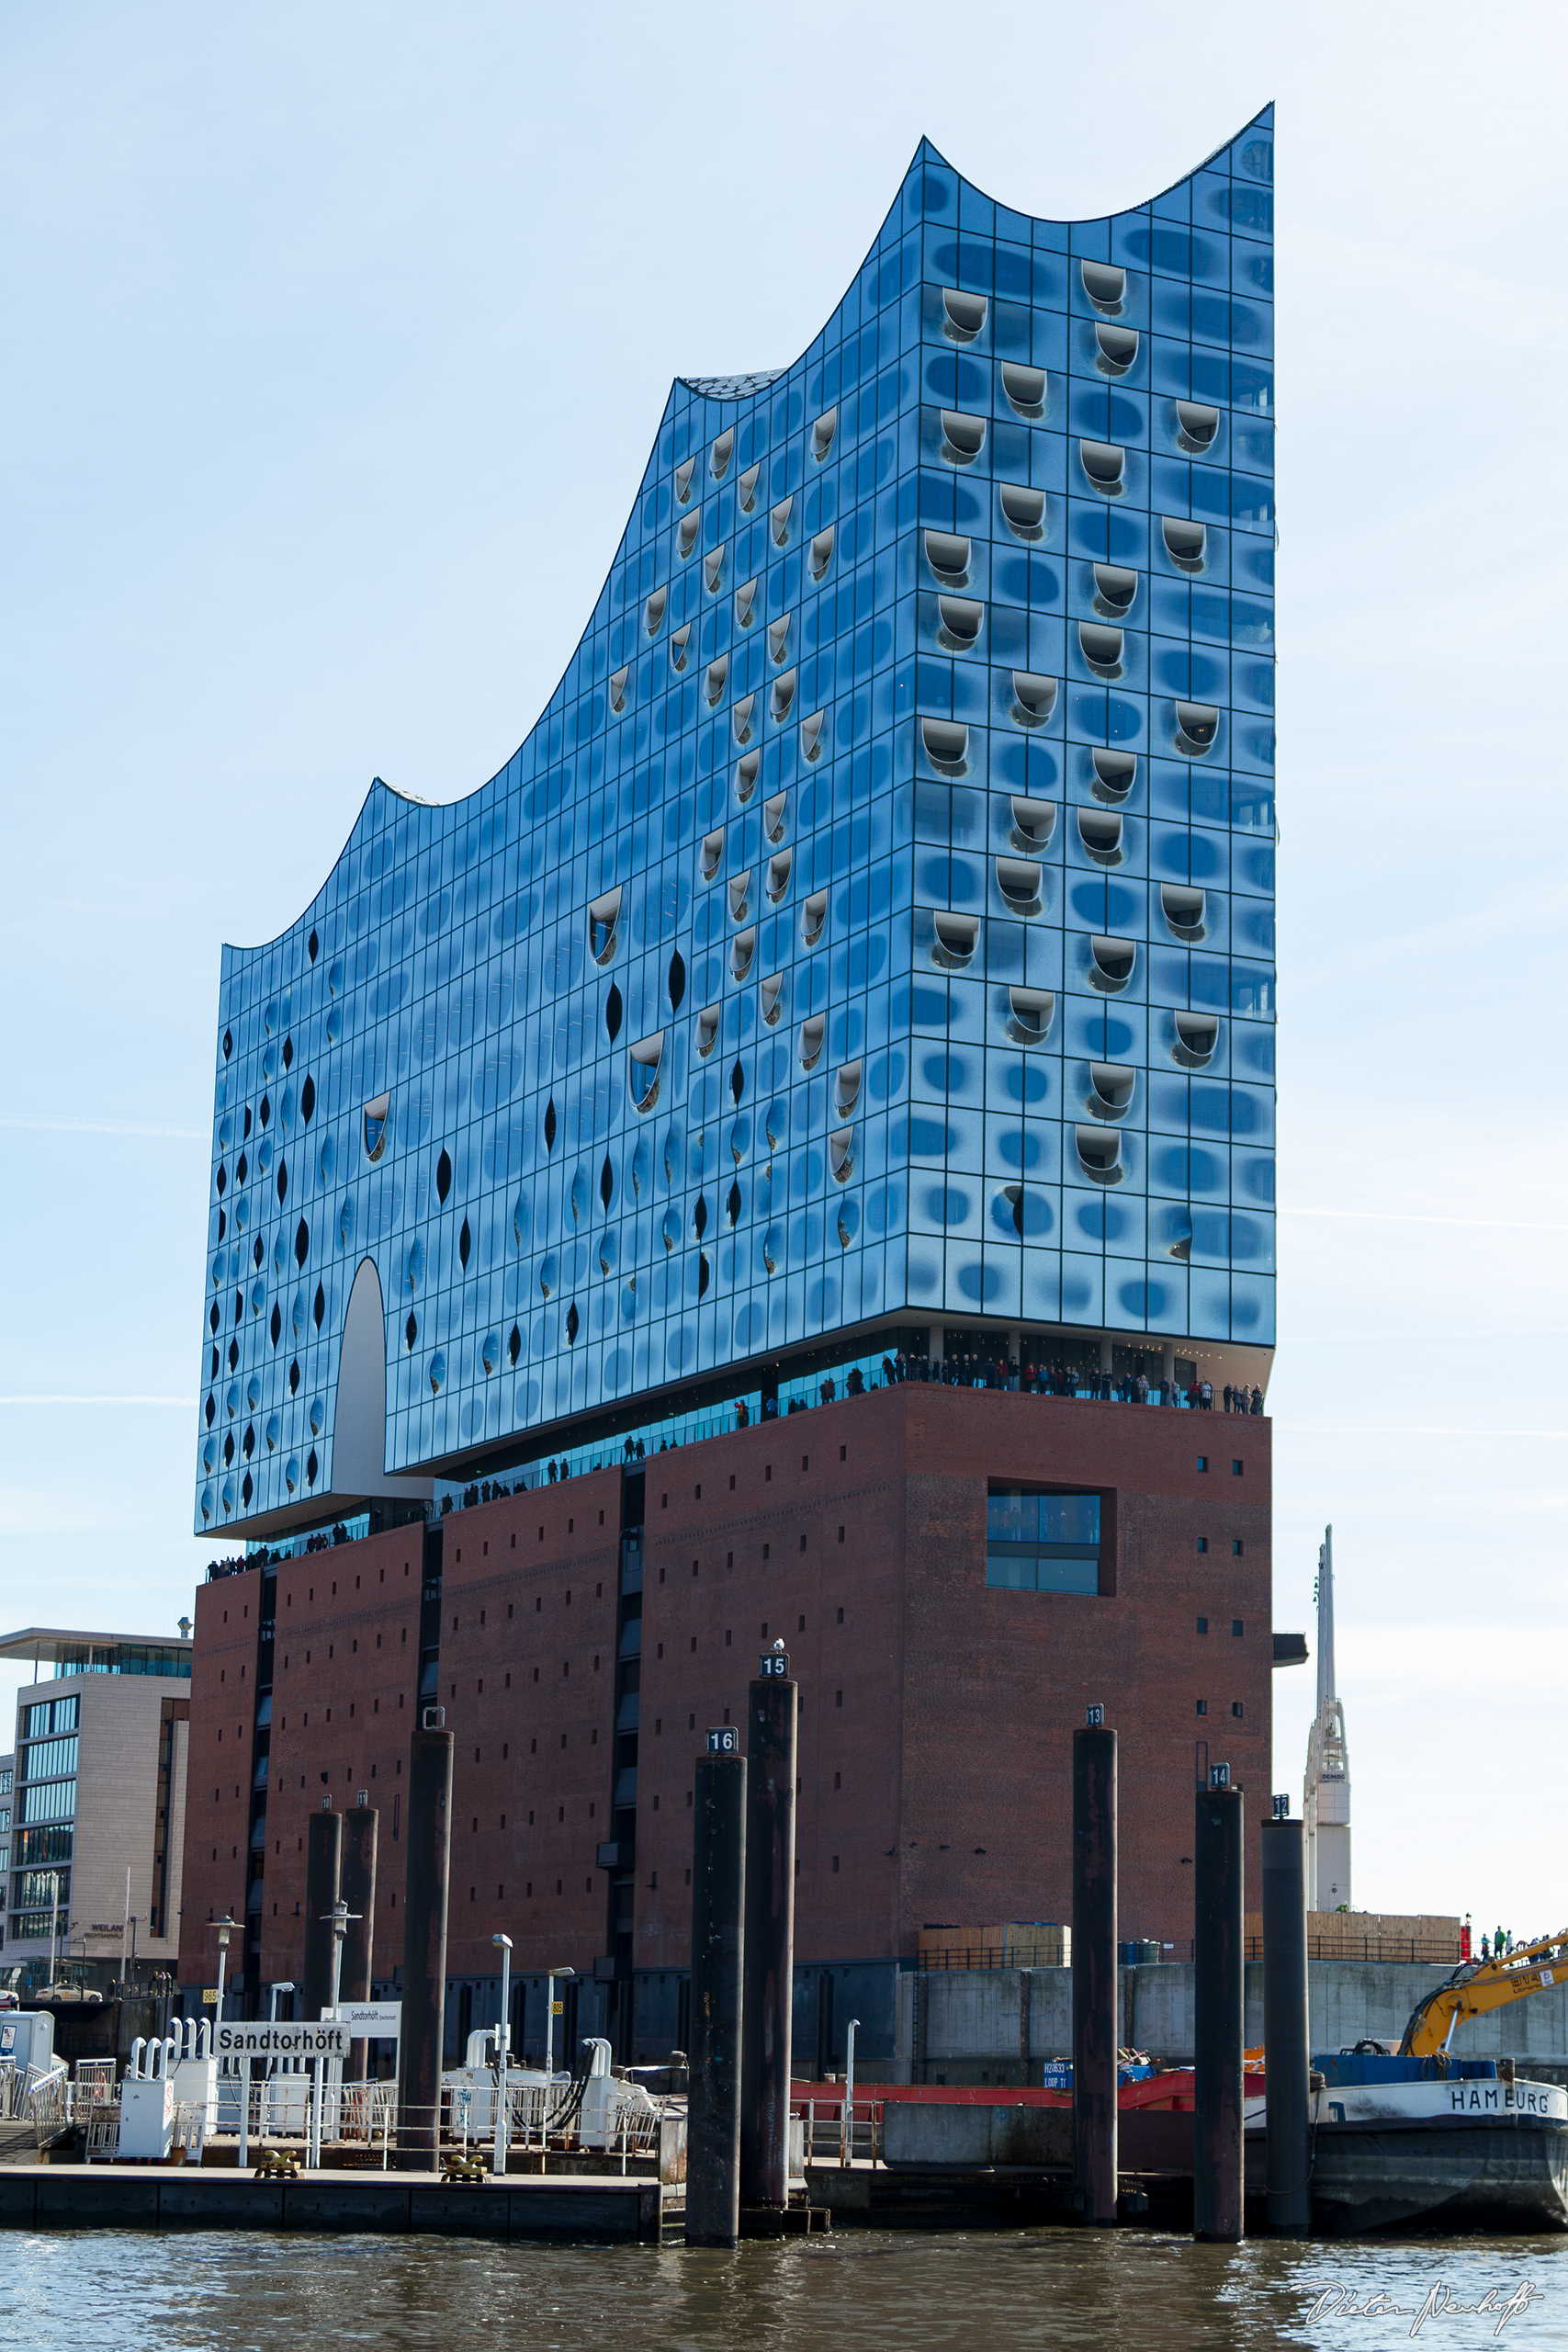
{"x":856,"y":2291}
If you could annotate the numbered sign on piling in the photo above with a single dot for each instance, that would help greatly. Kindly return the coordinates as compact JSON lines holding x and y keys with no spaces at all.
{"x":1094,"y":1717}
{"x":1219,"y":1776}
{"x":724,"y":1739}
{"x":773,"y":1662}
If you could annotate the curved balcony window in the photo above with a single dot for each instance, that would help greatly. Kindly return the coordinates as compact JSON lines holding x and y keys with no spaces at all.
{"x":1033,"y":697}
{"x":774,"y":812}
{"x":812,"y":1033}
{"x":1017,"y":880}
{"x":1098,"y":1153}
{"x":1111,"y":963}
{"x":1104,"y":283}
{"x":1196,"y":424}
{"x":1104,"y":463}
{"x":746,"y":768}
{"x":1101,"y":834}
{"x":842,"y":1154}
{"x":644,"y":1063}
{"x":720,"y":454}
{"x":1183,"y":908}
{"x":740,"y":718}
{"x":1115,"y":774}
{"x":1116,"y":348}
{"x":961,"y":618}
{"x":770,"y":999}
{"x":746,"y":488}
{"x":821,"y":553}
{"x":822,"y":434}
{"x":713,"y":571}
{"x":604,"y":923}
{"x":778,"y":520}
{"x":683,"y":473}
{"x":745,"y":604}
{"x":811,"y":735}
{"x":947,"y":552}
{"x":957,"y":936}
{"x":778,"y":874}
{"x":712,"y":852}
{"x":1185,"y":543}
{"x":618,"y":687}
{"x":707,"y":1030}
{"x":814,"y":918}
{"x":1031,"y":1012}
{"x":713,"y":685}
{"x":964,"y":314}
{"x":742,"y":953}
{"x":1197,"y":725}
{"x":1197,"y":1034}
{"x":778,"y":639}
{"x":1100,"y":648}
{"x":1110,"y":1088}
{"x":783,"y":693}
{"x":962,"y":438}
{"x":846,"y":1089}
{"x":946,"y":743}
{"x":1033,"y":822}
{"x":376,"y":1124}
{"x":686,"y":531}
{"x":1025,"y":388}
{"x":653,"y":611}
{"x":740,"y":897}
{"x":1115,"y":591}
{"x":680,"y":640}
{"x":1024,"y":510}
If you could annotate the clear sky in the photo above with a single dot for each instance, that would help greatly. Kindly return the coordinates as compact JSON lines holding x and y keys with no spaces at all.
{"x":337,"y":339}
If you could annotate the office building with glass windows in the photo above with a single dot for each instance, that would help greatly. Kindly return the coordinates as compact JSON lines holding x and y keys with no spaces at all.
{"x":865,"y":966}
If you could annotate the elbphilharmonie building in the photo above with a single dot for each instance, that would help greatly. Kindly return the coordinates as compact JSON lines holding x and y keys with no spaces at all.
{"x":869,"y":948}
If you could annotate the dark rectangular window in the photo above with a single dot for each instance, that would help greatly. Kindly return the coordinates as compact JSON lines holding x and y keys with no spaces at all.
{"x":1042,"y":1543}
{"x":1203,"y":1624}
{"x":1236,"y":1626}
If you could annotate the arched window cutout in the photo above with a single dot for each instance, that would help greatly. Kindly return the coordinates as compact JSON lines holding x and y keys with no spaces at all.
{"x":713,"y":684}
{"x":1100,"y":648}
{"x":962,"y":438}
{"x":1197,"y":726}
{"x":821,"y":553}
{"x":778,"y":520}
{"x":778,"y":639}
{"x":618,"y":687}
{"x":1104,"y":463}
{"x":1110,"y":1088}
{"x":707,"y":1030}
{"x":1104,"y":283}
{"x":1111,"y":963}
{"x":740,"y":718}
{"x":312,"y":947}
{"x":1033,"y":697}
{"x":814,"y":918}
{"x":811,"y":735}
{"x":603,"y":917}
{"x":1183,"y":908}
{"x":1197,"y":1034}
{"x":613,"y":1011}
{"x":771,"y":996}
{"x":713,"y":571}
{"x":965,"y":314}
{"x":957,"y":936}
{"x":948,"y":555}
{"x":741,"y":954}
{"x":653,"y":611}
{"x":846,"y":1091}
{"x":1031,"y":1013}
{"x":686,"y":532}
{"x":443,"y":1177}
{"x":1025,"y":388}
{"x":683,"y":473}
{"x":1115,"y":773}
{"x":1024,"y":510}
{"x":811,"y":1035}
{"x":784,"y":694}
{"x":721,"y":453}
{"x":378,"y":1127}
{"x":1185,"y":542}
{"x":644,"y":1063}
{"x":746,"y":488}
{"x":1033,"y":822}
{"x":961,"y":617}
{"x":712,"y":852}
{"x":778,"y":874}
{"x":1099,"y":1154}
{"x":1196,"y":424}
{"x":822,"y":434}
{"x":946,"y":744}
{"x":842,"y":1154}
{"x":745,"y":602}
{"x":1115,"y":348}
{"x":774,"y":814}
{"x":1115,"y":590}
{"x":740,"y":897}
{"x":746,"y":768}
{"x":679,"y":638}
{"x":1101,"y":834}
{"x":1018,"y":879}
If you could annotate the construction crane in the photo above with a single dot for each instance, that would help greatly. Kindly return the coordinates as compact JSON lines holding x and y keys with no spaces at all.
{"x":1481,"y":1986}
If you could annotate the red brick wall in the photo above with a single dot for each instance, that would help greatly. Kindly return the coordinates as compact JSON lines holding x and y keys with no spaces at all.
{"x":218,"y":1777}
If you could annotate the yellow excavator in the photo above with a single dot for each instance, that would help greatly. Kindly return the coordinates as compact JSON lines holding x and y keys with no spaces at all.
{"x":1479,"y":1985}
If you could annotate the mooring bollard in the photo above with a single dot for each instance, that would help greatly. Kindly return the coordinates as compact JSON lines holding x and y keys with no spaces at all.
{"x":719,"y":1870}
{"x":1285,"y":2029}
{"x":1094,"y":1973}
{"x":1218,"y":2214}
{"x":768,"y":1941}
{"x":428,"y":1858}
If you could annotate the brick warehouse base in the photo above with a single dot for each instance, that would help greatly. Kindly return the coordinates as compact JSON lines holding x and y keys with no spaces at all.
{"x":937,"y":1710}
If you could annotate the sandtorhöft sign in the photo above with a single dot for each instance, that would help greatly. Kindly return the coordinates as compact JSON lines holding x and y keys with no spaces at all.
{"x":278,"y":2040}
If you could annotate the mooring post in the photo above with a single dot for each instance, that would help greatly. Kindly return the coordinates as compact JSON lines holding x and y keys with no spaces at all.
{"x":323,"y":1885}
{"x":718,"y":1872}
{"x":1094,"y":1973}
{"x":768,"y":1941}
{"x":1218,"y":2212}
{"x":360,"y":1827}
{"x":428,"y":1850}
{"x":1285,"y":2029}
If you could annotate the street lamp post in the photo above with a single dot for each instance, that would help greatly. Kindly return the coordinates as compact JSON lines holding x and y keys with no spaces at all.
{"x":502,"y":2042}
{"x":340,"y":1915}
{"x":847,"y":2142}
{"x":225,"y":1929}
{"x":53,"y":1921}
{"x":551,"y":2018}
{"x":284,"y":1984}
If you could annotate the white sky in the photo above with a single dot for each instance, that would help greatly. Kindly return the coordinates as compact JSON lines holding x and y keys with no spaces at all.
{"x":336,"y":341}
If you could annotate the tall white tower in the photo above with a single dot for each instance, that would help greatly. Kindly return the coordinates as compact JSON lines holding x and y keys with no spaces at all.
{"x":1327,"y":1809}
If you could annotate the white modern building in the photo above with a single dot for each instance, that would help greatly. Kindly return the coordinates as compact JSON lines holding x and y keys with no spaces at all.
{"x":95,"y":1848}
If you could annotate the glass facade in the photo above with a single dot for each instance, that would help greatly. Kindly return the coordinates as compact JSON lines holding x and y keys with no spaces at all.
{"x":878,"y":923}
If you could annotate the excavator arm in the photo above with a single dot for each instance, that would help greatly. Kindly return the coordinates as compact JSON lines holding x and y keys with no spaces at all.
{"x":1479,"y":1986}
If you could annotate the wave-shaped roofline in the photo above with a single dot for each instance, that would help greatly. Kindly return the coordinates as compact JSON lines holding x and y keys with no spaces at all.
{"x":730,"y":388}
